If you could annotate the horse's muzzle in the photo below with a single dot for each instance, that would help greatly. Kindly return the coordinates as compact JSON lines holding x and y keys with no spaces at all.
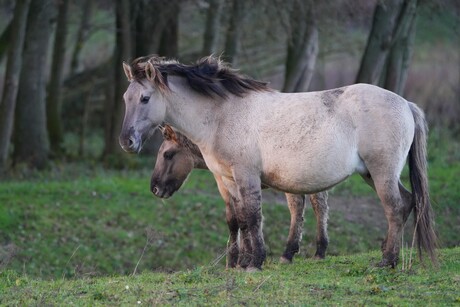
{"x":130,"y":142}
{"x":130,"y":145}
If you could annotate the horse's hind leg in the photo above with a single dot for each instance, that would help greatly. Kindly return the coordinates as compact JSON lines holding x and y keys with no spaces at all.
{"x":397,"y":204}
{"x":406,"y":209}
{"x":320,"y":207}
{"x":397,"y":208}
{"x":296,"y":204}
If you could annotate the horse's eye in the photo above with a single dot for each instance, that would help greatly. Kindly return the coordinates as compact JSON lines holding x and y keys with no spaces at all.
{"x":145,"y":99}
{"x":168,"y":155}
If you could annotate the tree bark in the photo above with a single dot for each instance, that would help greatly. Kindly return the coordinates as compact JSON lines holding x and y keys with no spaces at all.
{"x":13,"y":68}
{"x":5,"y":40}
{"x":31,"y":144}
{"x":379,"y":42}
{"x":211,"y":34}
{"x":302,"y":48}
{"x":116,"y":87}
{"x":395,"y":72}
{"x":160,"y":17}
{"x":170,"y":35}
{"x":81,"y":35}
{"x":234,"y":30}
{"x":53,"y":110}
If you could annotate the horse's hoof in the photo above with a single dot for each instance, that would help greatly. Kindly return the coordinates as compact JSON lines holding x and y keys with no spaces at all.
{"x":285,"y":260}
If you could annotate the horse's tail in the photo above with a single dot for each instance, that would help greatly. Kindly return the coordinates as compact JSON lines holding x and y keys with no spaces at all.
{"x":423,"y":214}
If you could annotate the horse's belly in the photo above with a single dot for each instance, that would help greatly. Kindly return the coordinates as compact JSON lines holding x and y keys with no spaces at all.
{"x":305,"y":183}
{"x":310,"y":171}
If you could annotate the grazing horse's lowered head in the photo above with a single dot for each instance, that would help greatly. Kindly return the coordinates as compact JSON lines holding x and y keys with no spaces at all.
{"x":176,"y":158}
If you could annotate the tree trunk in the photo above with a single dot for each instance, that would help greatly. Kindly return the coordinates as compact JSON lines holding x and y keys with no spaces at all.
{"x":302,"y":48}
{"x":5,"y":40}
{"x":211,"y":34}
{"x":396,"y":69}
{"x":81,"y":34}
{"x":160,"y":17}
{"x":31,"y":145}
{"x":53,"y":110}
{"x":379,"y":41}
{"x":13,"y":69}
{"x":113,"y":106}
{"x":233,"y":37}
{"x":170,"y":36}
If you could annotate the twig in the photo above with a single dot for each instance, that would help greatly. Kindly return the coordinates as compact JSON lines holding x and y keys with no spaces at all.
{"x":413,"y":243}
{"x":68,"y":261}
{"x":261,"y":283}
{"x":218,"y":259}
{"x":142,"y":255}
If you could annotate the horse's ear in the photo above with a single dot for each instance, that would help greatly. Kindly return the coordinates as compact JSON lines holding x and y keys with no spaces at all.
{"x":150,"y":72}
{"x":128,"y":72}
{"x":169,"y":134}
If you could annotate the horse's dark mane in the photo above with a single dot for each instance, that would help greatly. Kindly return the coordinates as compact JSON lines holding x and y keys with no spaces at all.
{"x":208,"y":76}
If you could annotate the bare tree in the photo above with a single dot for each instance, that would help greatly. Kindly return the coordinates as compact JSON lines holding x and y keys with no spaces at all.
{"x":379,"y":41}
{"x":211,"y":34}
{"x":302,"y":47}
{"x":13,"y":68}
{"x":394,"y":75}
{"x":5,"y":39}
{"x":155,"y":27}
{"x":83,"y":29}
{"x":31,"y":144}
{"x":53,"y":108}
{"x":113,"y":105}
{"x":234,"y":31}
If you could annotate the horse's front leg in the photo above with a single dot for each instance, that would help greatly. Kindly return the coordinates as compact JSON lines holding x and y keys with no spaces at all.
{"x":232,"y":223}
{"x":249,"y":214}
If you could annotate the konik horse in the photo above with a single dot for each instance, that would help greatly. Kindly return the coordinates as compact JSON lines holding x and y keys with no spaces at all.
{"x":299,"y":143}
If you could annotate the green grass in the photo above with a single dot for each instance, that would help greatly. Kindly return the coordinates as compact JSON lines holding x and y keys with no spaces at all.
{"x":80,"y":220}
{"x":344,"y":280}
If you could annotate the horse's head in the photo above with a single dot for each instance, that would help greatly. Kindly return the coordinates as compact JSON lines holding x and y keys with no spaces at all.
{"x":174,"y":163}
{"x":144,"y":104}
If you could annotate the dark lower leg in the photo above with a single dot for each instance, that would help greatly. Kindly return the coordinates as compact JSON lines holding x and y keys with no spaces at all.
{"x":296,"y":204}
{"x":320,"y":208}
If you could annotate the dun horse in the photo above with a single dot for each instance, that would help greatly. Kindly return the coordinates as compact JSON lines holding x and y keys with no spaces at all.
{"x":300,"y":143}
{"x":178,"y":156}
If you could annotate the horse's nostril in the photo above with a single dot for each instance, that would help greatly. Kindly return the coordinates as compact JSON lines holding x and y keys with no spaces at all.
{"x":131,"y":142}
{"x":155,"y":190}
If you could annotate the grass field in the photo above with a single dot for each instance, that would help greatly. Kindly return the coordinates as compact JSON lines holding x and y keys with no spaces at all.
{"x":341,"y":280}
{"x":80,"y":220}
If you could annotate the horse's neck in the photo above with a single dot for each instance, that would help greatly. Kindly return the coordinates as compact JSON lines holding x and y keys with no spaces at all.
{"x":191,"y":113}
